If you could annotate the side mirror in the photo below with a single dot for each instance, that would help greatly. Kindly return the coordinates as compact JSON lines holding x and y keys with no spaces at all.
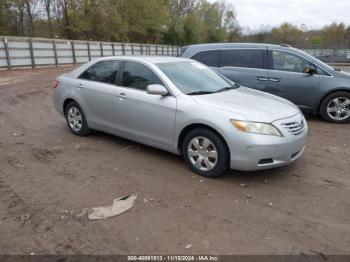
{"x":309,"y":70}
{"x":157,"y":90}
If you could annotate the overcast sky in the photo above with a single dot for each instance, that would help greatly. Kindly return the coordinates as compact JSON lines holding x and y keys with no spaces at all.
{"x":313,"y":13}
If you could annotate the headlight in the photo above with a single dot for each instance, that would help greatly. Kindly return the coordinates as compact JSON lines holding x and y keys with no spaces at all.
{"x":256,"y":128}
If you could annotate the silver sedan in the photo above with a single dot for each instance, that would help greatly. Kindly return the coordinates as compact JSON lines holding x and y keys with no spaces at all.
{"x":181,"y":106}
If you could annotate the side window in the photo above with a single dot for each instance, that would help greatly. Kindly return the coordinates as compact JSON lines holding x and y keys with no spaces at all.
{"x":104,"y":72}
{"x":321,"y":72}
{"x":209,"y":58}
{"x":139,"y":76}
{"x":249,"y":58}
{"x":283,"y":61}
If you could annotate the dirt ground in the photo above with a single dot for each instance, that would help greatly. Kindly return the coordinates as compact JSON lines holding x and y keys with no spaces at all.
{"x":48,"y":176}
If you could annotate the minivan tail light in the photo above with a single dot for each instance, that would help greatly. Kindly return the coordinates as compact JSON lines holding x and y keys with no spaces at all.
{"x":55,"y":83}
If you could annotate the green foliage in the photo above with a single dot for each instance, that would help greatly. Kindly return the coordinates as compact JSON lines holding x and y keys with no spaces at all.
{"x":334,"y":34}
{"x":152,"y":21}
{"x":174,"y":22}
{"x":286,"y":33}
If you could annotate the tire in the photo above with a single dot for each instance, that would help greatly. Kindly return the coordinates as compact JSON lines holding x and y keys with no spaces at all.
{"x":76,"y":119}
{"x":194,"y":147}
{"x":330,"y":109}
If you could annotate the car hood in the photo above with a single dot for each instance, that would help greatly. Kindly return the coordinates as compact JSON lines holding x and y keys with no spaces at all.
{"x":342,"y":74}
{"x":248,"y":104}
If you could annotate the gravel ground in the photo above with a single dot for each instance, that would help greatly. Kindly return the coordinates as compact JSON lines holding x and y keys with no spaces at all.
{"x":48,"y":177}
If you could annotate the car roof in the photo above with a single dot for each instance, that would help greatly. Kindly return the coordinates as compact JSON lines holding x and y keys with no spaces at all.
{"x":188,"y":51}
{"x":146,"y":59}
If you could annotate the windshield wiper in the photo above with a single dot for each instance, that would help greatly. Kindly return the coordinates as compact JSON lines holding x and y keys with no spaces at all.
{"x":200,"y":93}
{"x":227,"y":88}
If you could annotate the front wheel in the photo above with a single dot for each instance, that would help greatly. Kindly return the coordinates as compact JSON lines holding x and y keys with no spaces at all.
{"x":205,"y":152}
{"x":335,"y":108}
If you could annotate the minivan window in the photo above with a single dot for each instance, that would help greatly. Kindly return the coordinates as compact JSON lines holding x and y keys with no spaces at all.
{"x":249,"y":58}
{"x":104,"y":72}
{"x":195,"y":78}
{"x":209,"y":58}
{"x":283,"y":61}
{"x":139,"y":76}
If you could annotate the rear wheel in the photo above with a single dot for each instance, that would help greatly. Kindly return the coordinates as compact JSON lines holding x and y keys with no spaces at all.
{"x":76,"y":120}
{"x":335,"y":107}
{"x":205,"y":152}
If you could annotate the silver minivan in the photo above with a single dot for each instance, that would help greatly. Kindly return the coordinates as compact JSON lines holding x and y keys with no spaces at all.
{"x":282,"y":70}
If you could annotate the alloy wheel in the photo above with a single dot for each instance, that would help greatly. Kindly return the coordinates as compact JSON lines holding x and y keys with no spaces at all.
{"x":75,"y":119}
{"x":339,"y":108}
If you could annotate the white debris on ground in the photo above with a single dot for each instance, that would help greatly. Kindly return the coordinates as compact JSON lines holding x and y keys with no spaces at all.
{"x":119,"y":206}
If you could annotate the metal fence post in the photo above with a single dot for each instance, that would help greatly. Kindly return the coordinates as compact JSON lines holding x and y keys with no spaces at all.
{"x":113,"y":49}
{"x":31,"y":51}
{"x":55,"y":52}
{"x":73,"y":53}
{"x":156,"y":50}
{"x":132,"y":49}
{"x":162,"y":49}
{"x":123,"y":49}
{"x":88,"y":49}
{"x":7,"y":53}
{"x":141,"y":49}
{"x":101,"y":47}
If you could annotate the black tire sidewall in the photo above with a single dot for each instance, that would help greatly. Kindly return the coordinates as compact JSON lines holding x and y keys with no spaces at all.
{"x":325,"y":102}
{"x":223,"y":152}
{"x":85,"y":130}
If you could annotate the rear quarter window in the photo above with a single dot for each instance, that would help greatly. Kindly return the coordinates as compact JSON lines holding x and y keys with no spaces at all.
{"x":209,"y":58}
{"x":249,"y":58}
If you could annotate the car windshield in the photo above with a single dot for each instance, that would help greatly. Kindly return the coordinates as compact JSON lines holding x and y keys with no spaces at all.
{"x":194,"y":78}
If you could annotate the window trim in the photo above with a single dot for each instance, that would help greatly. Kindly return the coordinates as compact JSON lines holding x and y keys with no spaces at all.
{"x":270,"y":61}
{"x":264,"y":49}
{"x":115,"y":83}
{"x":120,"y":77}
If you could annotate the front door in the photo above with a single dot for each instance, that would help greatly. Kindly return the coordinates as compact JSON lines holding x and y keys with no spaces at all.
{"x":288,"y":80}
{"x":147,"y":118}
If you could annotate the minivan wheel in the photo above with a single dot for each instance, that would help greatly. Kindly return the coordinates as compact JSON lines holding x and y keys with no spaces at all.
{"x":335,"y":108}
{"x":76,"y":120}
{"x":205,"y":152}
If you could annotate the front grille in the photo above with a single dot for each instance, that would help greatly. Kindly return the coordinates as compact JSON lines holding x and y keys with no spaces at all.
{"x":294,"y":127}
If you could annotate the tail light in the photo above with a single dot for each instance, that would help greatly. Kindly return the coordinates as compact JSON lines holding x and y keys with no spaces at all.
{"x":55,"y":83}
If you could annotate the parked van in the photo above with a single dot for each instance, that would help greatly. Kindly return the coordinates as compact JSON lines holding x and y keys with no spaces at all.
{"x":282,"y":70}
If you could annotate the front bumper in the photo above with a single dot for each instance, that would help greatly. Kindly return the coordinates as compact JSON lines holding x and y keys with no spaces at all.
{"x":257,"y":152}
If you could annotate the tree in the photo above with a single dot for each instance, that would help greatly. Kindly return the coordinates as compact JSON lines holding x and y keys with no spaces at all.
{"x":47,"y":5}
{"x":288,"y":34}
{"x":334,"y":34}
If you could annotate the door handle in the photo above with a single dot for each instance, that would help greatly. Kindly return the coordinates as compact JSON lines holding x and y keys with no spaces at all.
{"x":274,"y":79}
{"x":121,"y":96}
{"x":262,"y":78}
{"x":79,"y":85}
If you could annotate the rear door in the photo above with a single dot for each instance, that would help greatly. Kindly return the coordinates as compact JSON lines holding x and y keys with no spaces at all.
{"x":98,"y":93}
{"x":287,"y":79}
{"x":247,"y":67}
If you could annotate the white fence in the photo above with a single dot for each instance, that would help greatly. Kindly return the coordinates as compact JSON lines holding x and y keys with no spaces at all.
{"x":35,"y":52}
